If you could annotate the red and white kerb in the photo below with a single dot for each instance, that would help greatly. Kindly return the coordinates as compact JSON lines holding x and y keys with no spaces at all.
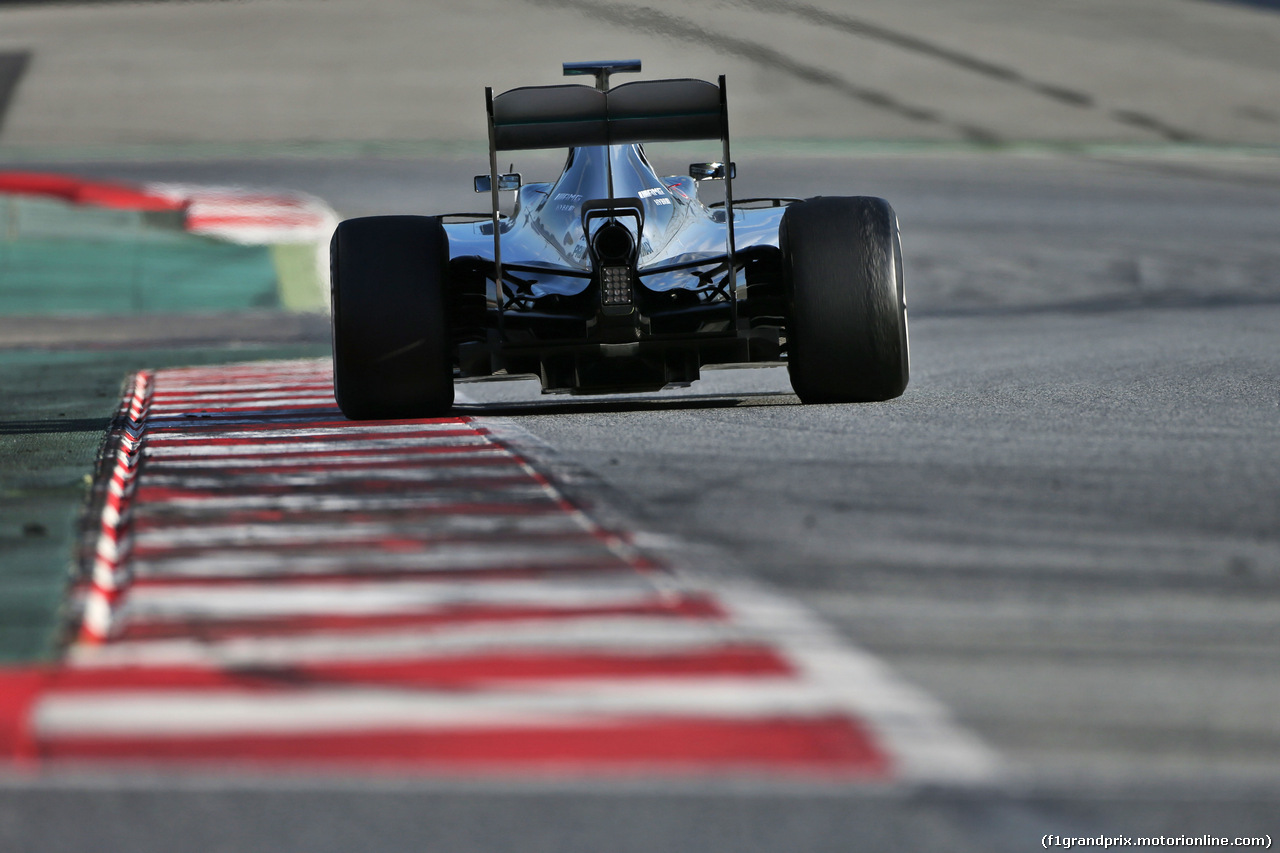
{"x":275,"y":586}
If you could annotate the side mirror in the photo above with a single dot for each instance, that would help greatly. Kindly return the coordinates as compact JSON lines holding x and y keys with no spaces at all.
{"x":712,"y":171}
{"x":506,"y":183}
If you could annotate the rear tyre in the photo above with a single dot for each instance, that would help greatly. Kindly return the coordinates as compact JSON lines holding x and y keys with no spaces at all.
{"x":391,"y":347}
{"x":847,"y":315}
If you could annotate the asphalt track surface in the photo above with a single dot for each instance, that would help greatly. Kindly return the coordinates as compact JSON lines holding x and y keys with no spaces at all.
{"x":1065,"y":531}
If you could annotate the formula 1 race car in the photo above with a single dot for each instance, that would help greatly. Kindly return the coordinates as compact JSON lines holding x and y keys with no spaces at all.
{"x":611,"y":278}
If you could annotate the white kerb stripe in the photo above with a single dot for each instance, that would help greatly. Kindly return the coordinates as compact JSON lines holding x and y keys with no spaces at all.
{"x":568,"y":702}
{"x":630,"y":634}
{"x":325,"y":599}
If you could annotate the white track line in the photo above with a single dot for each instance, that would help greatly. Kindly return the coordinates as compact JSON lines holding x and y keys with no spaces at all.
{"x":918,"y":731}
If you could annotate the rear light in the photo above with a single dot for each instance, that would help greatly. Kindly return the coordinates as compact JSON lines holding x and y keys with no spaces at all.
{"x":616,"y":282}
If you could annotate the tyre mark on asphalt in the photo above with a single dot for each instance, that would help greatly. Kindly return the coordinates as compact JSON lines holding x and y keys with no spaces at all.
{"x":866,"y":29}
{"x":645,"y":18}
{"x":660,"y":23}
{"x":13,"y":65}
{"x":973,"y":64}
{"x":1269,"y":5}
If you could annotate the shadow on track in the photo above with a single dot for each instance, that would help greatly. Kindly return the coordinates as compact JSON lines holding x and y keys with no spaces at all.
{"x":579,"y":406}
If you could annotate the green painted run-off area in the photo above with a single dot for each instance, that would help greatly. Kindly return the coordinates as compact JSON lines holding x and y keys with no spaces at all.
{"x":62,"y":258}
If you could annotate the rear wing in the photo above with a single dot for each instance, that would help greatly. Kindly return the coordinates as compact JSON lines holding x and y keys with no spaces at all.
{"x":572,"y":115}
{"x":568,"y":116}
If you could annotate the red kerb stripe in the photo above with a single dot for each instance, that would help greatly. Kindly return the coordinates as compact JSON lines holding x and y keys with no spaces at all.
{"x":827,"y":744}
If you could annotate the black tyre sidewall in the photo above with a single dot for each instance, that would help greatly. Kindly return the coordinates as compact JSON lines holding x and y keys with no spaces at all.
{"x":846,"y":324}
{"x":391,"y":348}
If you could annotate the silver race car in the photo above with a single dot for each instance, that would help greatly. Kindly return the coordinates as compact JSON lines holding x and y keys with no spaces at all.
{"x":612,"y":278}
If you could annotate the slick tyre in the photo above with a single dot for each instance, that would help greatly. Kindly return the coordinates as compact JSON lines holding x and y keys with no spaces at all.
{"x":391,"y":348}
{"x":847,"y":314}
